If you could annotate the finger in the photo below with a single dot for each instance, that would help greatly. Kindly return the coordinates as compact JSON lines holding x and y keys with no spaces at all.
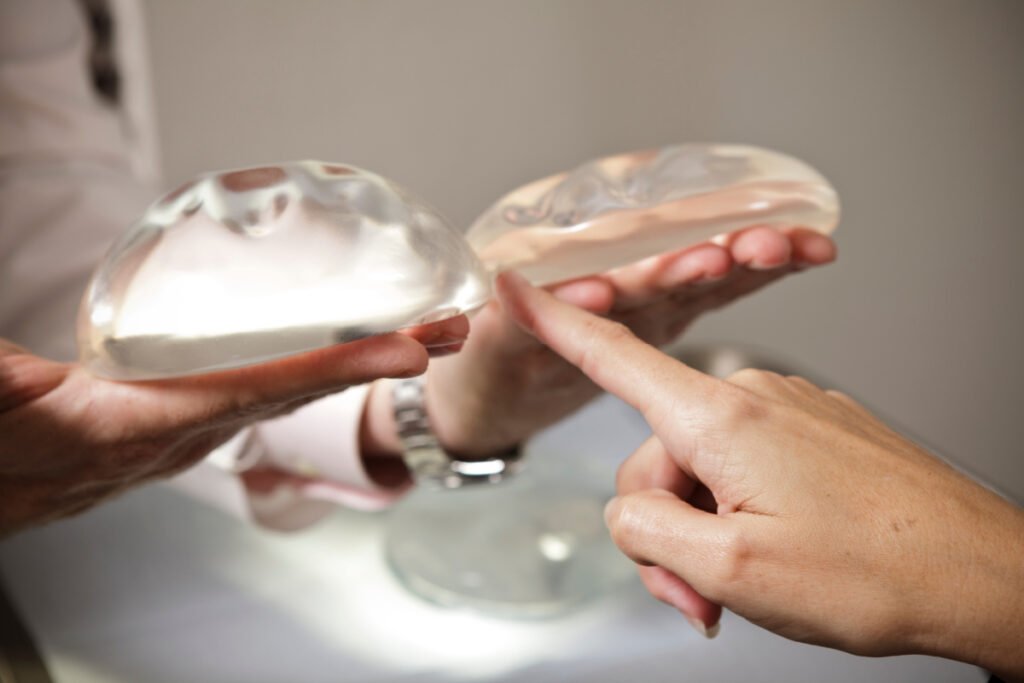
{"x":811,"y":247}
{"x":655,"y":527}
{"x":760,"y":248}
{"x":702,"y":614}
{"x":611,"y":356}
{"x":448,"y":332}
{"x":441,"y":338}
{"x":850,"y":403}
{"x":652,"y":467}
{"x":640,"y":284}
{"x":498,"y":338}
{"x":592,"y":294}
{"x":761,"y":255}
{"x":792,"y":390}
{"x":25,"y":378}
{"x":497,"y":335}
{"x":266,"y":386}
{"x":663,"y":321}
{"x":765,"y":255}
{"x":741,"y":282}
{"x":9,"y":348}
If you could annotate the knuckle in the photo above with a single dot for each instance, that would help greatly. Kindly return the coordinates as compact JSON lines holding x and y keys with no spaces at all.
{"x":621,"y":527}
{"x":631,"y":524}
{"x":753,"y":378}
{"x":805,"y":385}
{"x":840,"y":396}
{"x":797,"y":379}
{"x":740,"y":408}
{"x":731,"y":560}
{"x":744,"y":377}
{"x":600,"y":334}
{"x":612,"y":332}
{"x":847,"y":402}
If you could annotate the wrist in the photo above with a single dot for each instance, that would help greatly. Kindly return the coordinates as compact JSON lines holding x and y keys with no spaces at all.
{"x":984,"y":591}
{"x":379,"y":446}
{"x":465,"y":428}
{"x":428,"y":460}
{"x":378,"y":433}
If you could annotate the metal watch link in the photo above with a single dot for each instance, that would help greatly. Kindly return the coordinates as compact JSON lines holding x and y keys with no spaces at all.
{"x":424,"y":456}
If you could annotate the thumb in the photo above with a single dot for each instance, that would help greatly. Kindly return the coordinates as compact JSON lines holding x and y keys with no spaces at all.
{"x":24,"y":377}
{"x":654,"y":527}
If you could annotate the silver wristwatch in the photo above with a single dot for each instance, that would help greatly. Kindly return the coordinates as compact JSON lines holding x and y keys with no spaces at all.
{"x":426,"y":459}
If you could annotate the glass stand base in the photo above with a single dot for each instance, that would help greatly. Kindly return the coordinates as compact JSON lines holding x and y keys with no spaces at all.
{"x":534,"y":546}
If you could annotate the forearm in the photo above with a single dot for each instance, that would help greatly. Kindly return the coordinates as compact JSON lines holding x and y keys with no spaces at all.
{"x":996,"y":630}
{"x":985,"y":612}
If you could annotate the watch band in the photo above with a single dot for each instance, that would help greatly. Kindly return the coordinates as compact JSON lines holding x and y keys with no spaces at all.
{"x":426,"y":458}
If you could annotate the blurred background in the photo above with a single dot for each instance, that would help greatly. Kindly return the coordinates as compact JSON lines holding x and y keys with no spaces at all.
{"x":913,"y":109}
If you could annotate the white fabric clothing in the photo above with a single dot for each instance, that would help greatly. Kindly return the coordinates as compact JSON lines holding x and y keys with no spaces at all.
{"x":69,"y":185}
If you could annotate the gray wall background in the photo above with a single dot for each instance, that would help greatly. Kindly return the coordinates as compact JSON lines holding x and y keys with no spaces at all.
{"x":914,"y":109}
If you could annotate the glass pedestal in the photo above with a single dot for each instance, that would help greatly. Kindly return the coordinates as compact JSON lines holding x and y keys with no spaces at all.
{"x":533,"y":546}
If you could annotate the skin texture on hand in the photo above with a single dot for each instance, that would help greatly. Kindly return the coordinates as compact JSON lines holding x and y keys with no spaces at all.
{"x":69,"y":440}
{"x":505,"y":386}
{"x":795,"y":507}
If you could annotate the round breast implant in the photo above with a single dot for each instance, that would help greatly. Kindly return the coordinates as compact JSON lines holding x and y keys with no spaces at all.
{"x":620,"y":209}
{"x":244,"y":266}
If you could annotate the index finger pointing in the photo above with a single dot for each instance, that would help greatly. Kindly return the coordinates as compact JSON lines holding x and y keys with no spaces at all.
{"x":608,"y":352}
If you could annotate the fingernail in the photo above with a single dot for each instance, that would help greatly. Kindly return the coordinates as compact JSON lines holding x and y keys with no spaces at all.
{"x":611,"y":510}
{"x":445,"y":350}
{"x":702,"y":629}
{"x":766,"y":265}
{"x":444,"y":340}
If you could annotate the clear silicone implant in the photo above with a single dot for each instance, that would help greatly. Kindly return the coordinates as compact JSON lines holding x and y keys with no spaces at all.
{"x":243,"y":266}
{"x":616,"y":210}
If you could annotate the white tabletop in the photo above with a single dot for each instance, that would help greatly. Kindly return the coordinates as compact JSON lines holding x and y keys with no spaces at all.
{"x":157,"y":588}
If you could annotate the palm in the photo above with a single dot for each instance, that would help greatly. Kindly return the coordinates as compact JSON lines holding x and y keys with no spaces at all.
{"x":71,"y":440}
{"x":505,"y":385}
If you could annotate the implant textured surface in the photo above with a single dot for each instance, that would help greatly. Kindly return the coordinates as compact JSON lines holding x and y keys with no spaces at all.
{"x":620,"y":209}
{"x":244,"y":266}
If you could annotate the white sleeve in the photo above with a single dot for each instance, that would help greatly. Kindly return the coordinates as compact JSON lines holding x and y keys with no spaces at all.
{"x":68,"y":188}
{"x":314,"y":457}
